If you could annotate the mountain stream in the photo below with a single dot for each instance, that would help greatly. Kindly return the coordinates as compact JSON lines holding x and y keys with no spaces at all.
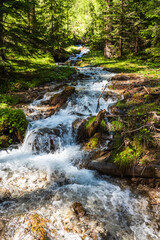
{"x":46,"y":187}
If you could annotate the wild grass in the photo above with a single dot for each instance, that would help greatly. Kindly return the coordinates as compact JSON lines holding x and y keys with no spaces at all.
{"x":146,"y":65}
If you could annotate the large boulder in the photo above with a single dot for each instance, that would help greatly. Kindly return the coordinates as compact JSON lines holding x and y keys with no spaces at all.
{"x":46,"y":140}
{"x":60,"y":55}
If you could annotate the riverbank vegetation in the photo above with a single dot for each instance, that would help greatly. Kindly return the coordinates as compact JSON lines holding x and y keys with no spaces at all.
{"x":135,"y":119}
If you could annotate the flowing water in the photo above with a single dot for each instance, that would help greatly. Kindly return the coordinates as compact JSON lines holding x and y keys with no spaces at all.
{"x":43,"y":176}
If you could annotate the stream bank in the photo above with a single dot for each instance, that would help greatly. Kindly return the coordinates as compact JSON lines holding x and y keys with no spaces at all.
{"x":135,"y":124}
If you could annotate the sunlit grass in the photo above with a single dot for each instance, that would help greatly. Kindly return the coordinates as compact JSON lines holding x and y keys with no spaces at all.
{"x":146,"y":67}
{"x":29,"y":72}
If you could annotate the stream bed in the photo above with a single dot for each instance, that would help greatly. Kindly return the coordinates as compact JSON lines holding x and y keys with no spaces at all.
{"x":44,"y":185}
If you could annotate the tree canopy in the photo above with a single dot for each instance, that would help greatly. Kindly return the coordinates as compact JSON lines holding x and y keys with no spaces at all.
{"x":123,"y":26}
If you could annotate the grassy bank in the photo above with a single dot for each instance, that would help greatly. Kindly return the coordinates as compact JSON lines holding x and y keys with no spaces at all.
{"x":146,"y":65}
{"x":27,"y":73}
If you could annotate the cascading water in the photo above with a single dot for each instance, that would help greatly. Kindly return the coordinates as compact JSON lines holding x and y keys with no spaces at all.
{"x":42,"y":176}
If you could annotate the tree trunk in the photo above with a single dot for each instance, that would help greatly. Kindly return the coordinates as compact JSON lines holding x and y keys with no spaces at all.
{"x":31,"y":16}
{"x":2,"y":54}
{"x":121,"y":31}
{"x":52,"y":30}
{"x":108,"y":43}
{"x":137,"y":45}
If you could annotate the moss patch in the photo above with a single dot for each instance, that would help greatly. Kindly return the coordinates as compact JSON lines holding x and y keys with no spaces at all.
{"x":89,"y":122}
{"x":117,"y":125}
{"x":129,"y":156}
{"x":94,"y":141}
{"x":13,"y":124}
{"x":4,"y":141}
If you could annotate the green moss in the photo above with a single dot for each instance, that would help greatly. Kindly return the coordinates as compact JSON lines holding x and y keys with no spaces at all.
{"x":94,"y":141}
{"x":125,"y":158}
{"x":117,"y":125}
{"x":121,"y":104}
{"x":103,"y":125}
{"x":129,"y":156}
{"x":9,"y":99}
{"x":145,"y":107}
{"x":13,"y":124}
{"x":4,"y":141}
{"x":89,"y":122}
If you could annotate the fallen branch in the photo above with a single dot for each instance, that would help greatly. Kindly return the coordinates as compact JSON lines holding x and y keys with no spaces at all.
{"x":101,"y":95}
{"x":118,"y":115}
{"x":137,"y":129}
{"x":146,"y":89}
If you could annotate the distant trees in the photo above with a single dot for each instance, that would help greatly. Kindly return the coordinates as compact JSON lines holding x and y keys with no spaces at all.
{"x":1,"y":30}
{"x":134,"y":25}
{"x":13,"y":28}
{"x":118,"y":26}
{"x":27,"y":26}
{"x":108,"y":29}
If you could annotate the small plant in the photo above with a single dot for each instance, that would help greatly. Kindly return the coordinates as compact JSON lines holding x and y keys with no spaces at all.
{"x":117,"y":126}
{"x":128,"y":157}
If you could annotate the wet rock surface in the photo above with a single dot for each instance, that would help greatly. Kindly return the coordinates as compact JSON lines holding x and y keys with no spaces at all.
{"x":59,"y":99}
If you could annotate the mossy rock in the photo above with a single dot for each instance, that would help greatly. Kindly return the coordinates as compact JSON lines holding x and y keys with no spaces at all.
{"x":13,"y":125}
{"x":60,"y":55}
{"x":94,"y":142}
{"x":90,"y":120}
{"x":92,"y":125}
{"x":4,"y":141}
